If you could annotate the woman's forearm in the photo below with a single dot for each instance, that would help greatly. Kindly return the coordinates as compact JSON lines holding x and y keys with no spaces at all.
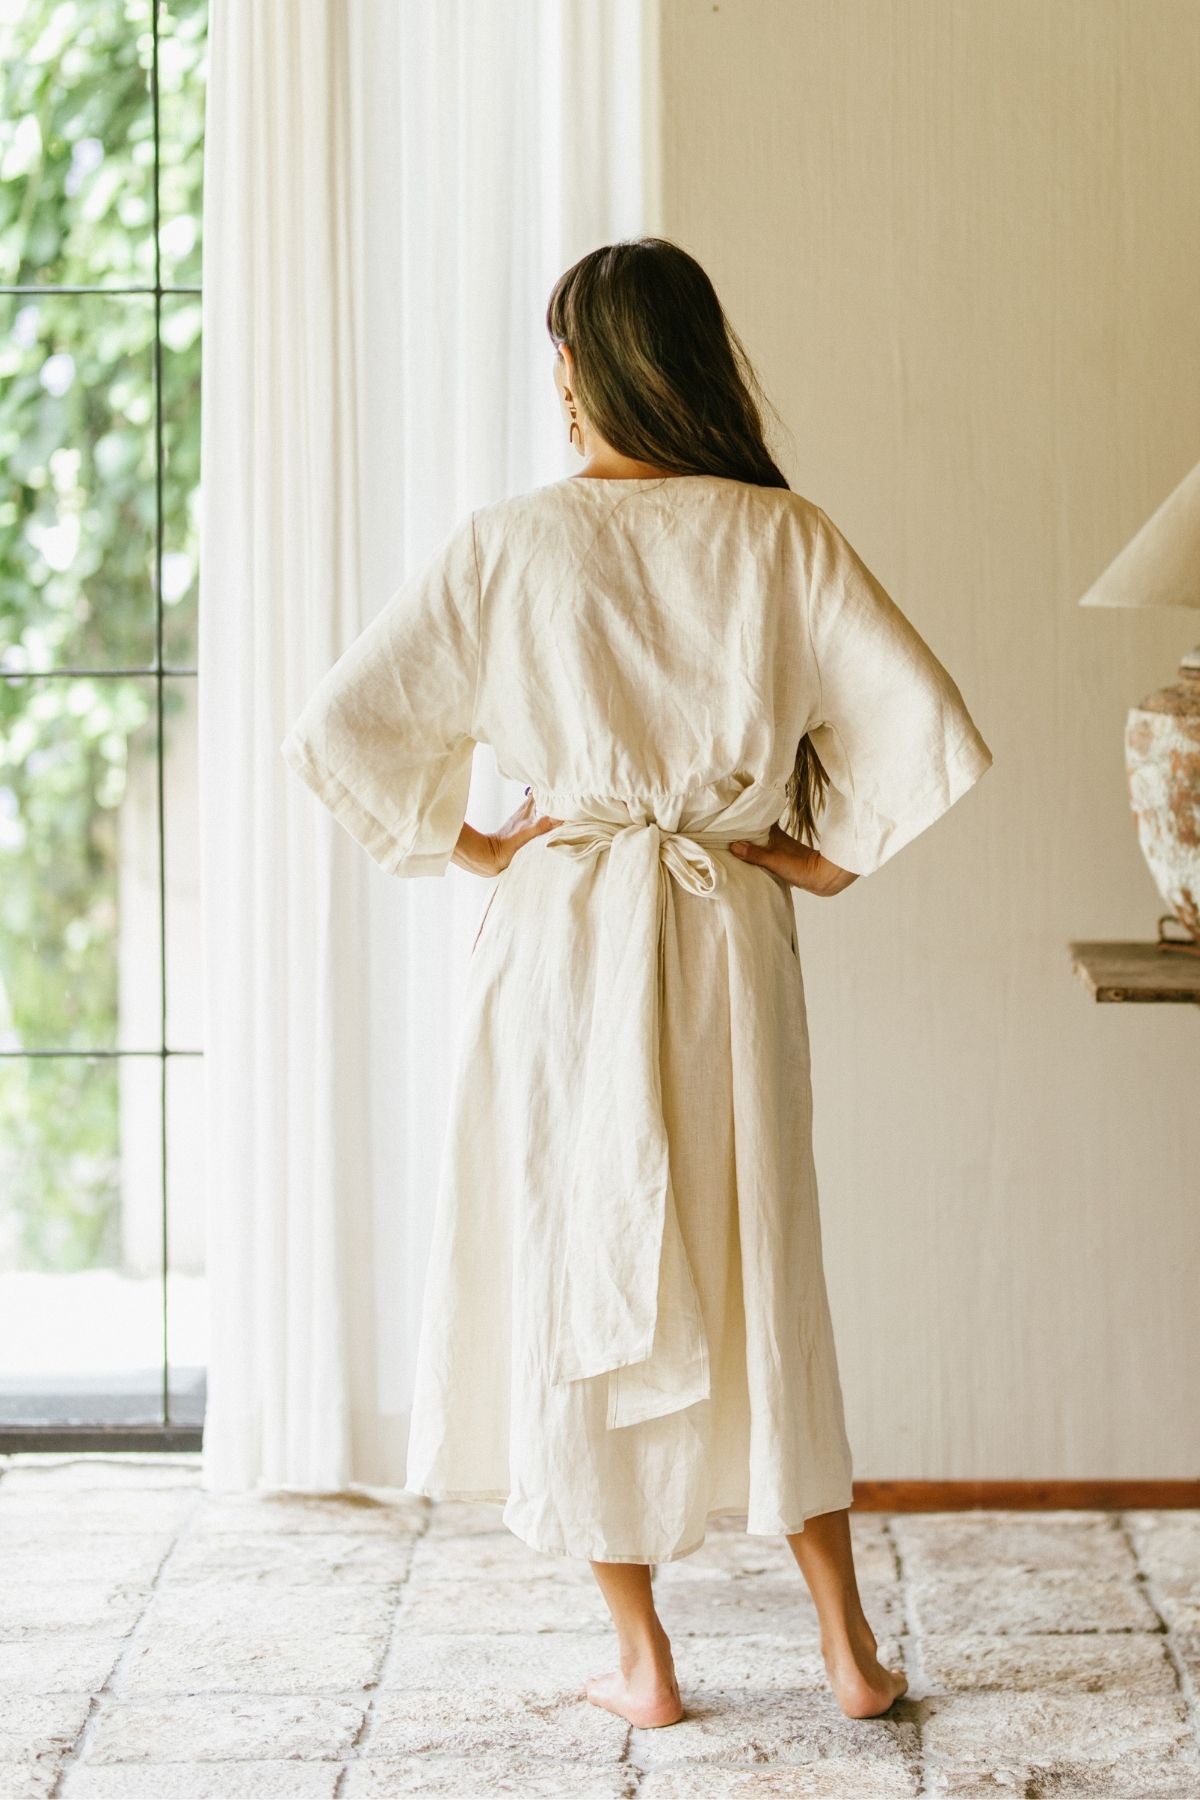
{"x":474,"y":852}
{"x":827,"y":877}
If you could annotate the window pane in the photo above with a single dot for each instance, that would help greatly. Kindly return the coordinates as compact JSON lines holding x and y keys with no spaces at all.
{"x":181,"y":478}
{"x":80,"y":1240}
{"x":80,"y":962}
{"x":187,"y":1294}
{"x":181,"y":833}
{"x":182,"y":71}
{"x":76,"y":144}
{"x":77,"y":494}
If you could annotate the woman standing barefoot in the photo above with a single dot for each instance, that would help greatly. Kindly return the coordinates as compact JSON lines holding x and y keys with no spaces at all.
{"x":714,"y":702}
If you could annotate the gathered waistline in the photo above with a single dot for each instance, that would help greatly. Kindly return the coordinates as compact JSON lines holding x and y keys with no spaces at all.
{"x":698,"y":813}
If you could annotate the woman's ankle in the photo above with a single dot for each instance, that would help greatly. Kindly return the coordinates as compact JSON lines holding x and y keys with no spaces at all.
{"x":645,"y":1648}
{"x":847,"y":1638}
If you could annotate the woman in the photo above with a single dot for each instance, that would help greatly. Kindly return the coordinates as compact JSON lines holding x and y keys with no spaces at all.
{"x":713,"y":701}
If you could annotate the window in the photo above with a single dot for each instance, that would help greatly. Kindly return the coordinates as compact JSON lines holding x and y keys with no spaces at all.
{"x":101,"y":1155}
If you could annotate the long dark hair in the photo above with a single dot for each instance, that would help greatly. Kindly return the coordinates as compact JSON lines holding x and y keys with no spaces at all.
{"x":663,"y":376}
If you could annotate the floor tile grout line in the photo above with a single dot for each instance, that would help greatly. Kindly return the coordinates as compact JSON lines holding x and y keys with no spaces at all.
{"x":369,"y":1692}
{"x":913,"y":1658}
{"x":1148,"y":1586}
{"x":105,"y":1691}
{"x":363,"y":1736}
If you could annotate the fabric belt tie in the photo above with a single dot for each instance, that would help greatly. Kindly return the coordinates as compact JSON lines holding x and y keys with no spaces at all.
{"x":626,"y":1302}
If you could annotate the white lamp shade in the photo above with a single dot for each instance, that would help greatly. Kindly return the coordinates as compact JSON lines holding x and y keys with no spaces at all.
{"x":1161,"y":565}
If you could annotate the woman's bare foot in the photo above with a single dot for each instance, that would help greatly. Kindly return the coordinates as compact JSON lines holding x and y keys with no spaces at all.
{"x":642,"y":1688}
{"x":644,"y":1691}
{"x":861,"y":1685}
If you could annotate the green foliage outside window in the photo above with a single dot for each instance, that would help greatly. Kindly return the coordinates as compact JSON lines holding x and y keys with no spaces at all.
{"x":79,"y":565}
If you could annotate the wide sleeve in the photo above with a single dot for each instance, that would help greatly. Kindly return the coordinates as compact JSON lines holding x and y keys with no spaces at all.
{"x":891,"y":727}
{"x":386,"y":739}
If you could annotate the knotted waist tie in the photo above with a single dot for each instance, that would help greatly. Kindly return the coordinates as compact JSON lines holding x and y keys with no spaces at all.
{"x":626,"y":1301}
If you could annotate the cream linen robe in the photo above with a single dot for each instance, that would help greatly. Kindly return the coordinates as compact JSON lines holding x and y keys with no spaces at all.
{"x":625,"y":1325}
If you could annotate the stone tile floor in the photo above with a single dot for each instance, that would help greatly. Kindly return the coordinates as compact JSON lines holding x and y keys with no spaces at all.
{"x":161,"y":1642}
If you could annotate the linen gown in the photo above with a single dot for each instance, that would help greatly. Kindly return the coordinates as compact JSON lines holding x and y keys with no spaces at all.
{"x":625,"y":1325}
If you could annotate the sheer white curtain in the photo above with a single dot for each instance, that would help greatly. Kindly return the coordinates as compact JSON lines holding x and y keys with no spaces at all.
{"x":390,"y":192}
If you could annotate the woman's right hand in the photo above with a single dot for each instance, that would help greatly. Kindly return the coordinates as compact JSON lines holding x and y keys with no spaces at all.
{"x":797,"y":864}
{"x":489,"y":853}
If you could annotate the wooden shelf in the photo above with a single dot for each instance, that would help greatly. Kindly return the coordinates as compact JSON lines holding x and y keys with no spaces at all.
{"x":1137,"y":972}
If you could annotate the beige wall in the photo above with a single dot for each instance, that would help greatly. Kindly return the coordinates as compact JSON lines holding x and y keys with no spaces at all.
{"x":962,"y":241}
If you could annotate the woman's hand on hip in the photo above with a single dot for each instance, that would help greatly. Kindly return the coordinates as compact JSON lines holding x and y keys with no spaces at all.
{"x":797,"y":864}
{"x":489,"y":853}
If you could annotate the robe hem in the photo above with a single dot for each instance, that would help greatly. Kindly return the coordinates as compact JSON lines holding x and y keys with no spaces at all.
{"x":495,"y":1496}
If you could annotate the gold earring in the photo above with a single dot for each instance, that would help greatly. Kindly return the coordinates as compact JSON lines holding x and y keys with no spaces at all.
{"x":574,"y":426}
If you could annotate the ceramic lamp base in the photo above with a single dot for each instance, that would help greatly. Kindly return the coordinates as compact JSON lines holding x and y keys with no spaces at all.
{"x":1162,"y":760}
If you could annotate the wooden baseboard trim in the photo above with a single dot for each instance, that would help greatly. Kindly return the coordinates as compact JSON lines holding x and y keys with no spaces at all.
{"x":961,"y":1496}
